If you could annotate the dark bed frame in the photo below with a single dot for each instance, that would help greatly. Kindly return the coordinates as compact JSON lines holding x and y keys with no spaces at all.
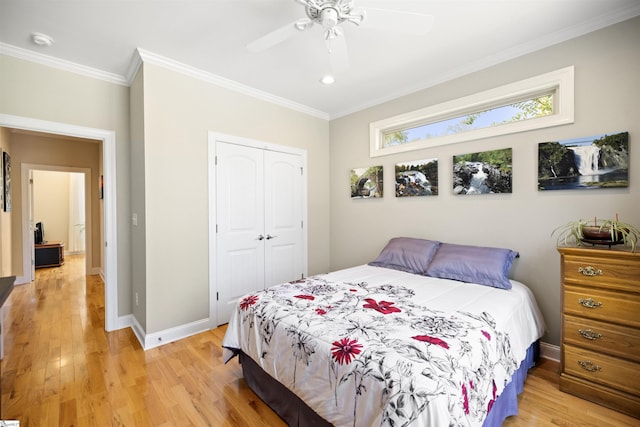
{"x":290,"y":407}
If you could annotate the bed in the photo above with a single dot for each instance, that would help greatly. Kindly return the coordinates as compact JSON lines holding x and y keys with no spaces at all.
{"x":428,"y":334}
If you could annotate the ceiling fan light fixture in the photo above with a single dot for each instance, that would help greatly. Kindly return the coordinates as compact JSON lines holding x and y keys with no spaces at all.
{"x":328,"y":17}
{"x":327,"y":80}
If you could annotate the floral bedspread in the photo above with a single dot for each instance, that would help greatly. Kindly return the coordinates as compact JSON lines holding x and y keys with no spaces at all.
{"x":363,"y":354}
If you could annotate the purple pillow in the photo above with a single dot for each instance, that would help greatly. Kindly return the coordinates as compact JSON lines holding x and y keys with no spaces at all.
{"x":407,"y":254}
{"x":473,"y":264}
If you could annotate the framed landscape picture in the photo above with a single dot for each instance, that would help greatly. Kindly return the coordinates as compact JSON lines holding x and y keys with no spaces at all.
{"x":599,"y":161}
{"x":487,"y":172}
{"x":417,"y":178}
{"x":366,"y":183}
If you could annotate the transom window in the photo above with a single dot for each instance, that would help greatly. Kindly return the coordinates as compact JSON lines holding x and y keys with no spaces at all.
{"x":539,"y":102}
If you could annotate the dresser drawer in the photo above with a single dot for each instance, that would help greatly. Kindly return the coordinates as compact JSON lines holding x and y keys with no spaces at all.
{"x":603,"y":337}
{"x":601,"y":369}
{"x":616,"y":307}
{"x":587,"y":271}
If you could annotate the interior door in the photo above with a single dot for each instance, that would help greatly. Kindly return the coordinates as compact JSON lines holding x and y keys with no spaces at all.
{"x":283,"y":217}
{"x":240,"y":224}
{"x":259,"y":211}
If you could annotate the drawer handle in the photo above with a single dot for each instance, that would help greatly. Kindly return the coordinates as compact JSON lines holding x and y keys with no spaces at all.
{"x":589,"y":334}
{"x":589,"y":366}
{"x":590,"y":303}
{"x":589,"y":271}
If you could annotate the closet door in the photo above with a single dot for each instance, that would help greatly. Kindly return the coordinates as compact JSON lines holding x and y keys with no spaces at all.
{"x":283,"y":217}
{"x":259,"y":197}
{"x":240,"y":240}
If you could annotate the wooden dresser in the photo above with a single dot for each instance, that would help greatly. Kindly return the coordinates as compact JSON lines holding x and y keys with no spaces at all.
{"x":600,"y":347}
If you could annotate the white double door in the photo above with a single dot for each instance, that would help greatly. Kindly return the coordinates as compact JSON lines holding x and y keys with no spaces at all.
{"x":259,"y":215}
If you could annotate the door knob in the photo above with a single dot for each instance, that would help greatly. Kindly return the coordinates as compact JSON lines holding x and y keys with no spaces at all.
{"x":269,"y":237}
{"x":261,"y":237}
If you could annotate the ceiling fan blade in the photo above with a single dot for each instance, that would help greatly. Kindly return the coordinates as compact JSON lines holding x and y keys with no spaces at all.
{"x":338,"y":54}
{"x":274,"y":37}
{"x":412,"y":23}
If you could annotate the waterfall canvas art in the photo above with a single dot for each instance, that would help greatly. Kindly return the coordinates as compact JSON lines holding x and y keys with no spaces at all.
{"x":599,"y":161}
{"x":417,"y":178}
{"x":487,"y":172}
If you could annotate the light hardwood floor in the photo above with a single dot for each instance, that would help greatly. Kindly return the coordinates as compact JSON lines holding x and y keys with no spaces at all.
{"x":62,"y":369}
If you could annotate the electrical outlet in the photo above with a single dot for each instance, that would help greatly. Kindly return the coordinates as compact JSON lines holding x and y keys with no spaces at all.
{"x":136,"y":299}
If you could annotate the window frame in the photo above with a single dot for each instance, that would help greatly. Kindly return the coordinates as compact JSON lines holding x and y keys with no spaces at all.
{"x":559,"y":82}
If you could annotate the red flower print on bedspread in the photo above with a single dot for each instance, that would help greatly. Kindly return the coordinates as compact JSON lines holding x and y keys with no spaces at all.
{"x":465,"y":399}
{"x":431,"y":340}
{"x":345,"y":350}
{"x":492,"y":401}
{"x":309,"y":297}
{"x":384,"y":307}
{"x":248,"y":301}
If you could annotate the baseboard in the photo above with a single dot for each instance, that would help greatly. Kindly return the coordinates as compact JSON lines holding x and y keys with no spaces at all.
{"x":138,"y":331}
{"x":125,"y":321}
{"x":149,"y":341}
{"x":550,"y":351}
{"x":157,"y":339}
{"x":22,"y":280}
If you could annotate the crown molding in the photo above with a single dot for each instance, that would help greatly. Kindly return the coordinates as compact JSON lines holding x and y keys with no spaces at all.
{"x":170,"y":64}
{"x":138,"y":58}
{"x":134,"y":66}
{"x":61,"y":64}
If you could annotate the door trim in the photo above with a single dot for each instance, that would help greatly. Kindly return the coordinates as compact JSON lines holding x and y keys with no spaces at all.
{"x":213,"y":138}
{"x":108,"y":138}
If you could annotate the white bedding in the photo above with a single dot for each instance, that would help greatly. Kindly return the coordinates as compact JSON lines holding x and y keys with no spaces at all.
{"x":369,"y":346}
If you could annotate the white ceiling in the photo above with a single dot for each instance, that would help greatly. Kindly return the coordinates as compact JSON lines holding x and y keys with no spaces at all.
{"x":211,"y":36}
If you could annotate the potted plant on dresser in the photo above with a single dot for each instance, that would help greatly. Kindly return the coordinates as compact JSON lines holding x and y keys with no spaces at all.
{"x":605,"y":232}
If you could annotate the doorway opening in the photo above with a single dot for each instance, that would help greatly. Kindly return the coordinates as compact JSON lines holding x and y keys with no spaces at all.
{"x":110,"y":240}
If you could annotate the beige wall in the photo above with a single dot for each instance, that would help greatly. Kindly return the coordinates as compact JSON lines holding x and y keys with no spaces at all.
{"x":179,"y":111}
{"x":6,"y":267}
{"x":138,"y":235}
{"x":39,"y":92}
{"x":607,"y":86}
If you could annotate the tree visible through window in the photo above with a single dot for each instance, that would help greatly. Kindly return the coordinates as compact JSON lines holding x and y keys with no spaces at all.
{"x":527,"y":109}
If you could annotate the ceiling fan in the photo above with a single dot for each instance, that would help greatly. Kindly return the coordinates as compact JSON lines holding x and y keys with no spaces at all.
{"x":331,"y":14}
